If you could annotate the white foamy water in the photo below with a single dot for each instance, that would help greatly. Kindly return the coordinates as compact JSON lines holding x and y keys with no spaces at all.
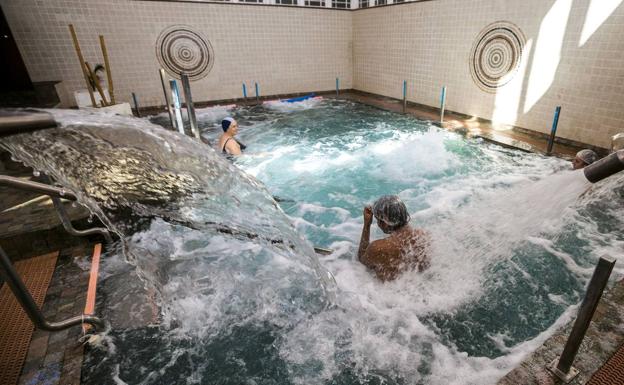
{"x":241,"y":301}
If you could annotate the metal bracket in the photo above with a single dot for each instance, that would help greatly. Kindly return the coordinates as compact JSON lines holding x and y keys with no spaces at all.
{"x":565,"y":377}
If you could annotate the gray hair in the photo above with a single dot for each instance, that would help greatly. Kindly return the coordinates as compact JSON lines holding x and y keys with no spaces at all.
{"x":392,"y":211}
{"x":587,"y":156}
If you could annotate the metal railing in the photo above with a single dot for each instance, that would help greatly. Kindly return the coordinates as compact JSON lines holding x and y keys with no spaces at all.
{"x":562,"y":367}
{"x":13,"y":279}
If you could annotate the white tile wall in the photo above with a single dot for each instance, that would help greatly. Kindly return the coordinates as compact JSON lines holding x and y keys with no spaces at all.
{"x":291,"y":49}
{"x":284,"y":49}
{"x":428,"y":44}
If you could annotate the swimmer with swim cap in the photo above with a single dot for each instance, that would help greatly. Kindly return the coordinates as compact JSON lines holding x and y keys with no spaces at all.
{"x":405,"y":248}
{"x":227,"y":143}
{"x":584,"y":158}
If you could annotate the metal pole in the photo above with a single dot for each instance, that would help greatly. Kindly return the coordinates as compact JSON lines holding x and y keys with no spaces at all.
{"x":163,"y":76}
{"x":245,"y":92}
{"x":36,"y":187}
{"x":72,"y":31}
{"x":596,"y":286}
{"x":337,"y":86}
{"x":136,"y":105}
{"x":404,"y":95}
{"x":553,"y":130}
{"x":442,"y":104}
{"x":175,"y":98}
{"x":257,"y":93}
{"x":23,"y":296}
{"x":190,"y":108}
{"x":66,"y":221}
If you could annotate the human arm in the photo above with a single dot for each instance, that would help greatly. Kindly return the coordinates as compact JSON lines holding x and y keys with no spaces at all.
{"x":232,"y":147}
{"x":365,"y":238}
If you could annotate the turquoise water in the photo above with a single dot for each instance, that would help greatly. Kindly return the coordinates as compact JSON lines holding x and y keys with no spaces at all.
{"x":213,"y":283}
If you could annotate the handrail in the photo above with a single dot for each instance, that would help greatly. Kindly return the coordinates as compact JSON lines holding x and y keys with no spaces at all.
{"x":562,"y":367}
{"x":30,"y":307}
{"x":36,"y":187}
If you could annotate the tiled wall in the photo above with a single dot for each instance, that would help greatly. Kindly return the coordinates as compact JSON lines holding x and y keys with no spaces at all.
{"x":429,"y":43}
{"x":284,"y":49}
{"x":297,"y":49}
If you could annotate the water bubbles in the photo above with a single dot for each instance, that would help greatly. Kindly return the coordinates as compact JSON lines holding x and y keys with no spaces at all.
{"x":74,"y":205}
{"x":90,"y":219}
{"x":36,"y":173}
{"x":62,"y":192}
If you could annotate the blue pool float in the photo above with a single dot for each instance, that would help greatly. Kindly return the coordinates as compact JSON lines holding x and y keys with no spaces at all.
{"x":299,"y":99}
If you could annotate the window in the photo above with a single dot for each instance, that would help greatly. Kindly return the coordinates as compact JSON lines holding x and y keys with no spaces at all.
{"x":381,"y":2}
{"x":286,"y":2}
{"x":363,"y":3}
{"x":315,"y":3}
{"x":341,"y":3}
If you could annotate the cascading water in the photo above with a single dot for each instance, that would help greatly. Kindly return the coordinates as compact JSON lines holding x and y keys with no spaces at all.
{"x":241,"y":297}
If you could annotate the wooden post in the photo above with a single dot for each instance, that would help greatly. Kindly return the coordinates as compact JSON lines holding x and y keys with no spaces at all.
{"x":97,"y":84}
{"x":111,"y":91}
{"x":82,"y":65}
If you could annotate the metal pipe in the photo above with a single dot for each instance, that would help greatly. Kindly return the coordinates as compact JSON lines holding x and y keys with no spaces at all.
{"x":605,"y":167}
{"x":109,"y":78}
{"x":257,"y":93}
{"x":67,"y":225}
{"x":442,"y":104}
{"x":20,"y":121}
{"x":586,"y":312}
{"x":404,"y":96}
{"x":66,"y":221}
{"x":72,"y":31}
{"x":30,"y":307}
{"x":136,"y":105}
{"x":175,"y":98}
{"x":163,"y":76}
{"x":190,"y":108}
{"x":244,"y":91}
{"x":36,"y":187}
{"x":553,"y":130}
{"x":337,"y":86}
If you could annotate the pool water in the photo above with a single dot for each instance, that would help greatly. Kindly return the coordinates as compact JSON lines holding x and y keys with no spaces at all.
{"x":212,"y":283}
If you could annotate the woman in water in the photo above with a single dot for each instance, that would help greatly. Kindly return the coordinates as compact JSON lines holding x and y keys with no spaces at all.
{"x":227,"y":143}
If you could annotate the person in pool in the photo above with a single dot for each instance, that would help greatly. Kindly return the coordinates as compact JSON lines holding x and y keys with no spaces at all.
{"x":405,"y":248}
{"x":584,"y":158}
{"x":227,"y":143}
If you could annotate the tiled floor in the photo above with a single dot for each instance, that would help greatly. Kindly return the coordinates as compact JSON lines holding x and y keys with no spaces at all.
{"x":56,"y":357}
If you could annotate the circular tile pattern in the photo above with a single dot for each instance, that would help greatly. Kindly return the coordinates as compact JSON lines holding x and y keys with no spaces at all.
{"x":180,"y":49}
{"x":496,"y":54}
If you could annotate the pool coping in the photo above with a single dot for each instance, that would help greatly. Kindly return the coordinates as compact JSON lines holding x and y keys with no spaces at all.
{"x":509,"y":136}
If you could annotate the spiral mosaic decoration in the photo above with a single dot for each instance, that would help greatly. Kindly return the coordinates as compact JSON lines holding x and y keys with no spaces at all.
{"x":496,"y":55}
{"x":180,"y":49}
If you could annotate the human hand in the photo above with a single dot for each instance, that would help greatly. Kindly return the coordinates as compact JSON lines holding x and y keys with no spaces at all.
{"x":368,"y":215}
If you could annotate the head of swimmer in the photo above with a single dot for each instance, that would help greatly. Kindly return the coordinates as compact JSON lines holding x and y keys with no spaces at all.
{"x":229,"y":126}
{"x":584,"y":158}
{"x":391,"y":213}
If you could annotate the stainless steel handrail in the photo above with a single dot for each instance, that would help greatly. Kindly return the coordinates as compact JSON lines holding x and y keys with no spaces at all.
{"x":30,"y":307}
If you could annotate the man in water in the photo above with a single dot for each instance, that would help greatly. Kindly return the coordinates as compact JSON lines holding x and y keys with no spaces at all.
{"x":227,"y":143}
{"x":584,"y":158}
{"x":405,"y":248}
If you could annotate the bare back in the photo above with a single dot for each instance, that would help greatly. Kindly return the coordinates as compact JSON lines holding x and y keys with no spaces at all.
{"x":404,"y":249}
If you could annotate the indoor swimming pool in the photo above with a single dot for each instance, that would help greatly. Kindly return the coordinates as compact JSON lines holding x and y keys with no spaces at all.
{"x":213,"y":282}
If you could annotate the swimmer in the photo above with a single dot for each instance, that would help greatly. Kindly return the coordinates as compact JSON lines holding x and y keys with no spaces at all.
{"x":227,"y":143}
{"x":405,"y":248}
{"x":584,"y":158}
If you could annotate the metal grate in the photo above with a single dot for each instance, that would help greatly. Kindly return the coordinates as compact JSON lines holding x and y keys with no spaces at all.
{"x":612,"y":372}
{"x":15,"y":327}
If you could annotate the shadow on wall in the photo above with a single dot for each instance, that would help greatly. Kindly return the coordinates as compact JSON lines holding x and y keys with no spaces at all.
{"x":558,"y":38}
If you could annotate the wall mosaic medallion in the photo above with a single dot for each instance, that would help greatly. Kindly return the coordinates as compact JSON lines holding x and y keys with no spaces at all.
{"x":496,"y":55}
{"x":180,"y":49}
